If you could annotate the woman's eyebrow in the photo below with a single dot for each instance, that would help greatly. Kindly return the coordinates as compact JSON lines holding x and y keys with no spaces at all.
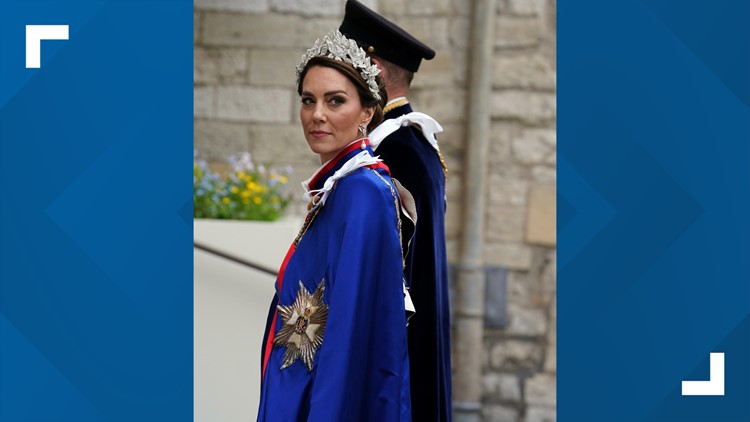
{"x":338,"y":91}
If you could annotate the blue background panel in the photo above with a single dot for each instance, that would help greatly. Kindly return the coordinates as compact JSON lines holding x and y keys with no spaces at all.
{"x":654,"y":199}
{"x":96,"y":293}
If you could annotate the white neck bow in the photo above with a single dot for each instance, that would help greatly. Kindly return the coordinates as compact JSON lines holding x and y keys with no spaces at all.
{"x":428,"y":125}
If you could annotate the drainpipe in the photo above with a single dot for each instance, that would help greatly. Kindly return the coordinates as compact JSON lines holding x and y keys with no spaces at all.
{"x":469,"y":329}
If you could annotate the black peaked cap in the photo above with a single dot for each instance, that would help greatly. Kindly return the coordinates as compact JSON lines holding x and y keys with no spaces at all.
{"x":381,"y":37}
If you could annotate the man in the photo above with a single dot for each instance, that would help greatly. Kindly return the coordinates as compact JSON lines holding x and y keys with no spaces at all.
{"x":406,"y":143}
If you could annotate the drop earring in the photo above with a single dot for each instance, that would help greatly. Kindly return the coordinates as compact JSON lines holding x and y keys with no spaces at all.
{"x":363,"y":131}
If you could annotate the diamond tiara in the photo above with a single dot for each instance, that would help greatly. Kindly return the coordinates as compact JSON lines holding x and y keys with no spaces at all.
{"x":336,"y":46}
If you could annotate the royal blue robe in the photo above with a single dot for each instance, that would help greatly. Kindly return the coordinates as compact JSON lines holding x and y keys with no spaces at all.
{"x":360,"y":372}
{"x":415,"y":163}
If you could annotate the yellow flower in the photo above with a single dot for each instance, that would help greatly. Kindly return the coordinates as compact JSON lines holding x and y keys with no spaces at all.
{"x":257,"y":200}
{"x":246,"y":201}
{"x":234,"y":189}
{"x":225,"y":200}
{"x":241,"y":175}
{"x":275,"y":199}
{"x":284,"y":180}
{"x":245,"y":194}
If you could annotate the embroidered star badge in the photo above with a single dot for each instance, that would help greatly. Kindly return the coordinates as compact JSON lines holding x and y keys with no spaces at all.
{"x":304,"y":323}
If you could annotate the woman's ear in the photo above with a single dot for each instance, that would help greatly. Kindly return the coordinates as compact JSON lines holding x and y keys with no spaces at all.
{"x":367,"y":115}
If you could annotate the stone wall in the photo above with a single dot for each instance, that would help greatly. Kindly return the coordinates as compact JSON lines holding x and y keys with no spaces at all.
{"x":245,"y":55}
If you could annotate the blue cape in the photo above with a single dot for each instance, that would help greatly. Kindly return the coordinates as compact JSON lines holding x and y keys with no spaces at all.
{"x":414,"y":163}
{"x":360,"y":372}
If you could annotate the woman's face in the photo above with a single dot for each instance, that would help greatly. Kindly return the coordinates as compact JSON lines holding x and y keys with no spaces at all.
{"x":330,"y":112}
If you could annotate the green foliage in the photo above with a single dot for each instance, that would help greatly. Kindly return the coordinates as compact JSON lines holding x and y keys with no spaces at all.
{"x":247,"y":192}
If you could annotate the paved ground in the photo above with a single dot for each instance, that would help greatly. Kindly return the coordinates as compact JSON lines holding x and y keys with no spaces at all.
{"x":231,"y":303}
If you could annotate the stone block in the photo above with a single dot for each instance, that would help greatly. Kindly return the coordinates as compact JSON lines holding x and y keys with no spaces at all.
{"x":502,"y":387}
{"x":216,"y":141}
{"x":550,"y":358}
{"x":526,"y":321}
{"x":274,"y":67}
{"x":527,"y":107}
{"x":436,"y":72}
{"x":544,"y":174}
{"x":541,"y":220}
{"x":501,"y":136}
{"x":508,"y":170}
{"x":246,"y":6}
{"x":459,"y":33}
{"x":280,"y":144}
{"x":540,"y":414}
{"x":516,"y":355}
{"x":454,"y":192}
{"x":453,"y":220}
{"x":535,"y":146}
{"x":215,"y":65}
{"x":205,"y":67}
{"x":452,"y":249}
{"x":549,"y":273}
{"x":523,"y":71}
{"x":432,"y":31}
{"x":197,"y":18}
{"x":452,"y":147}
{"x":371,"y":4}
{"x":500,"y":413}
{"x":540,"y":390}
{"x":204,"y":101}
{"x":526,"y":7}
{"x":266,"y":30}
{"x":446,"y":105}
{"x":248,"y":104}
{"x":518,"y":32}
{"x":392,"y":8}
{"x":308,"y":30}
{"x":506,"y":191}
{"x":460,"y":66}
{"x":427,"y":7}
{"x":514,"y":256}
{"x":307,"y":7}
{"x":505,"y":222}
{"x":461,"y":7}
{"x":519,"y":288}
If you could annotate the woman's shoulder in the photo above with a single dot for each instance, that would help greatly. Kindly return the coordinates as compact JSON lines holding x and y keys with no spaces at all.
{"x":366,"y":185}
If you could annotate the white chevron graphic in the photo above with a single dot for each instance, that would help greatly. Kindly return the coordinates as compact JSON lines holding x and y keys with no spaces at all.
{"x":715,"y":384}
{"x":34,"y":36}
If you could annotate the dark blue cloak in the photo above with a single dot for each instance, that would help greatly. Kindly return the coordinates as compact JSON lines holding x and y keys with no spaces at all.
{"x":360,"y":372}
{"x":416,"y":164}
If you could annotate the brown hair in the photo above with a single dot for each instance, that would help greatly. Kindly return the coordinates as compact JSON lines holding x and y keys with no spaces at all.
{"x":366,"y":99}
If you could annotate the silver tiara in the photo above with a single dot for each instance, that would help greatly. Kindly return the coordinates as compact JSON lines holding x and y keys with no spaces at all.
{"x":336,"y":46}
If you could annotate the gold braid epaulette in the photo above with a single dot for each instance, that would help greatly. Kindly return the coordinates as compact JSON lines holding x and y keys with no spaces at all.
{"x":395,"y":105}
{"x":442,"y":163}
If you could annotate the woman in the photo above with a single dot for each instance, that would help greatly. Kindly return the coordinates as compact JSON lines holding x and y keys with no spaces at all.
{"x":335,"y":346}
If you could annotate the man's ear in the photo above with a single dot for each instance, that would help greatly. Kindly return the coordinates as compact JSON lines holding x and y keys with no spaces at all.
{"x":376,"y":61}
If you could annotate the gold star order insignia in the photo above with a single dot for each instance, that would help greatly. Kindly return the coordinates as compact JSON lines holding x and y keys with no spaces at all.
{"x":304,"y":323}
